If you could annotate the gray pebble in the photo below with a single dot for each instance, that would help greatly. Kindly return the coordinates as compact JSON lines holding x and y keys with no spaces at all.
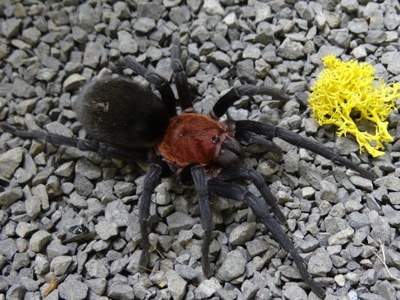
{"x":213,"y":7}
{"x":39,"y":240}
{"x":390,"y":182}
{"x":200,"y":35}
{"x":207,"y":288}
{"x":106,"y":229}
{"x":73,"y":290}
{"x":46,"y":74}
{"x":8,"y":248}
{"x":21,"y":260}
{"x":83,"y":186}
{"x":87,"y":17}
{"x":375,"y":37}
{"x":320,"y":263}
{"x":380,"y":230}
{"x":150,"y":10}
{"x":349,"y":6}
{"x":29,"y":284}
{"x":73,"y":82}
{"x":97,"y":285}
{"x":87,"y":169}
{"x":123,"y":189}
{"x":328,"y":191}
{"x":33,"y":206}
{"x":186,"y":272}
{"x":251,"y":52}
{"x":179,"y":221}
{"x":220,"y":59}
{"x":392,"y":60}
{"x":358,"y":26}
{"x":362,"y":183}
{"x":293,"y":291}
{"x":55,"y":249}
{"x":120,"y":291}
{"x":10,"y":27}
{"x":79,"y":35}
{"x":15,"y":291}
{"x":60,"y":264}
{"x":9,"y":162}
{"x":144,"y":25}
{"x":304,"y":11}
{"x":24,"y":229}
{"x":290,"y":49}
{"x":392,"y":215}
{"x":342,"y":237}
{"x":31,"y":35}
{"x":245,"y":70}
{"x":53,"y":186}
{"x":98,"y":268}
{"x":358,"y":220}
{"x":232,"y":267}
{"x":41,"y":264}
{"x":392,"y":20}
{"x":9,"y":197}
{"x":65,"y":170}
{"x":117,"y":213}
{"x":256,"y":247}
{"x":92,"y":54}
{"x":242,"y":233}
{"x":176,"y":285}
{"x":127,"y":45}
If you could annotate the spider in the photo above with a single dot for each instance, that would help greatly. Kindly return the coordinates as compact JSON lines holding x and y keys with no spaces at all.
{"x":128,"y":121}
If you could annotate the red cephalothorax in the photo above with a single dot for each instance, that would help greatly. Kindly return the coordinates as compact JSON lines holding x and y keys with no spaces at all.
{"x":192,"y":138}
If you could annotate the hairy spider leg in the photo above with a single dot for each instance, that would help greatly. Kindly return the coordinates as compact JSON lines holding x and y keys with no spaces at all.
{"x":201,"y":186}
{"x":241,"y":172}
{"x":179,"y":75}
{"x":151,"y":180}
{"x":260,"y":209}
{"x":271,"y":131}
{"x":236,"y":93}
{"x":102,"y":148}
{"x":160,"y":83}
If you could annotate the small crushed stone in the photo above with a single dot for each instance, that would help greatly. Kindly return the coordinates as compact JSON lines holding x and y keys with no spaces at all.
{"x":73,"y":216}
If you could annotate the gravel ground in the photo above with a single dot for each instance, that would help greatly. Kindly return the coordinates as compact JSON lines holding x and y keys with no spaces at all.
{"x":336,"y":218}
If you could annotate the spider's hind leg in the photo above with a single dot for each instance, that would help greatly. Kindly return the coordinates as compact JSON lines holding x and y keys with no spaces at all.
{"x":260,"y":209}
{"x":151,"y":180}
{"x":102,"y":148}
{"x":161,"y":84}
{"x":241,"y":172}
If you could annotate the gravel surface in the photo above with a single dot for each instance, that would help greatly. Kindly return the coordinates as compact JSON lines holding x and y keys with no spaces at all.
{"x":71,"y":218}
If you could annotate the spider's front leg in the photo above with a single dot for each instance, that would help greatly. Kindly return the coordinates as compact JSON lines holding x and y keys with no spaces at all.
{"x":200,"y":184}
{"x":236,"y":93}
{"x":179,"y":75}
{"x":271,"y":131}
{"x":260,"y":209}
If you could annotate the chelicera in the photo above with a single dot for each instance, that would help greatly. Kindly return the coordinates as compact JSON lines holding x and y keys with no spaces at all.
{"x":128,"y":121}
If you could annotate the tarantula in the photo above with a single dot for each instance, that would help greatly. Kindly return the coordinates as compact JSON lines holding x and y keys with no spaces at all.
{"x":128,"y":121}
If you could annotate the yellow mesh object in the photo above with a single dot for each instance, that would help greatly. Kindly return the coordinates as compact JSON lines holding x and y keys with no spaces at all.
{"x":345,"y":89}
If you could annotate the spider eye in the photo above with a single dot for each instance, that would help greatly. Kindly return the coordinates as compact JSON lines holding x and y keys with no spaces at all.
{"x":215,"y":139}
